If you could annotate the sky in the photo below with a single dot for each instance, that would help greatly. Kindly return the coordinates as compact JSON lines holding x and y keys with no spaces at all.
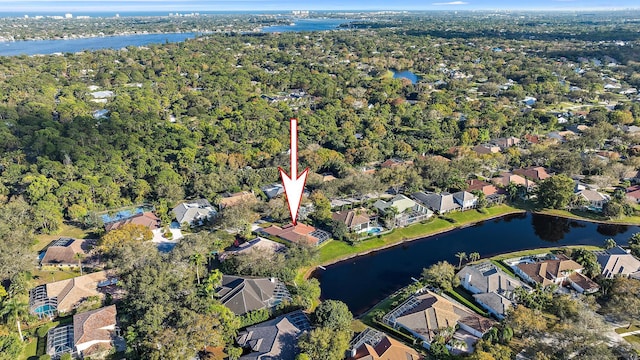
{"x":79,"y":6}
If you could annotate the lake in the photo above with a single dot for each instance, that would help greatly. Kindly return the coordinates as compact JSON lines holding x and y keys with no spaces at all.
{"x":364,"y":281}
{"x":307,"y":25}
{"x":33,"y":47}
{"x":406,"y":74}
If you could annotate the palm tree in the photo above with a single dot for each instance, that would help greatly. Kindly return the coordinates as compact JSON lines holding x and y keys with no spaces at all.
{"x":197,"y":259}
{"x":609,"y":244}
{"x":79,"y":257}
{"x":461,"y":257}
{"x":14,"y":309}
{"x":474,"y":256}
{"x":213,"y":282}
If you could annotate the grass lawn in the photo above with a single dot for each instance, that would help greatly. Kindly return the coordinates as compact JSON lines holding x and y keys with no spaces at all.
{"x":46,"y":276}
{"x":588,"y":215}
{"x":622,"y":330}
{"x":633,"y":339}
{"x":542,"y":251}
{"x":65,"y":231}
{"x":503,"y":267}
{"x":465,"y":298}
{"x":30,"y":350}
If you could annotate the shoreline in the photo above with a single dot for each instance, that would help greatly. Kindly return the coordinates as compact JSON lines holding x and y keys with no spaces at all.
{"x":312,"y":268}
{"x":307,"y":272}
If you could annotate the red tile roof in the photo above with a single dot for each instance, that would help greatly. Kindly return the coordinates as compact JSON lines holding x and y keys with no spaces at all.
{"x":534,"y":172}
{"x":300,"y":233}
{"x":147,"y":219}
{"x":480,"y":185}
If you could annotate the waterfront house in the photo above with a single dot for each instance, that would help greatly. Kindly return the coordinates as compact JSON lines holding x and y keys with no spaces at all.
{"x":244,"y":294}
{"x":424,"y":314}
{"x":618,"y":262}
{"x":492,"y":287}
{"x":194,"y":212}
{"x":559,"y":270}
{"x":478,"y":185}
{"x":465,"y":199}
{"x":299,"y":233}
{"x":375,"y":345}
{"x":357,"y":220}
{"x":506,"y":178}
{"x":407,"y":210}
{"x":633,"y":194}
{"x":439,"y":203}
{"x":594,"y":199}
{"x":274,"y":339}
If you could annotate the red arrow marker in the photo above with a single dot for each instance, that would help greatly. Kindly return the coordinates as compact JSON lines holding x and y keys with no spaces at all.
{"x":294,"y":184}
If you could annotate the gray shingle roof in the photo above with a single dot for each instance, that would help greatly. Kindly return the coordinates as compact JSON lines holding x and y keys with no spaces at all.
{"x":437,"y":202}
{"x":274,"y":339}
{"x":193,"y":210}
{"x":244,"y":294}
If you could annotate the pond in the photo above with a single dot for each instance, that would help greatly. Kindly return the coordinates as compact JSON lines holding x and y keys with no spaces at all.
{"x":364,"y":281}
{"x":405,"y":74}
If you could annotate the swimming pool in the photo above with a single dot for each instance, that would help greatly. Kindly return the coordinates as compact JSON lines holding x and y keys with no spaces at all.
{"x":46,"y":309}
{"x":374,"y":231}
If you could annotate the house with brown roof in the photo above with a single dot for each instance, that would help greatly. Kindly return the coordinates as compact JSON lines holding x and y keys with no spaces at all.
{"x":146,"y":219}
{"x":236,"y":199}
{"x":375,"y":345}
{"x":506,"y":178}
{"x":391,"y":163}
{"x":504,"y":143}
{"x":62,"y":252}
{"x":559,"y":271}
{"x":299,"y":233}
{"x":425,"y":313}
{"x":356,"y":220}
{"x":485,"y":149}
{"x":478,"y":185}
{"x":633,"y":193}
{"x":62,"y":296}
{"x":536,"y":173}
{"x":91,"y":334}
{"x":94,"y":331}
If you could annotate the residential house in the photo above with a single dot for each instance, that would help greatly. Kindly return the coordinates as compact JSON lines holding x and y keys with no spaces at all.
{"x":91,"y":334}
{"x":633,"y":194}
{"x":491,"y":193}
{"x":274,"y":339}
{"x":62,"y":252}
{"x":485,"y":149}
{"x":194,"y":212}
{"x":244,"y":294}
{"x":94,"y":331}
{"x":617,"y":261}
{"x":506,"y":178}
{"x":559,"y":271}
{"x":299,"y":233}
{"x":504,"y":143}
{"x":273,"y":190}
{"x":259,"y":244}
{"x":236,"y":199}
{"x":439,"y":203}
{"x":407,"y":210}
{"x":391,"y":163}
{"x":595,"y":199}
{"x":375,"y":345}
{"x":492,"y":287}
{"x":356,"y":220}
{"x":63,"y":296}
{"x":424,"y":314}
{"x":146,"y":219}
{"x":465,"y":199}
{"x":536,"y":173}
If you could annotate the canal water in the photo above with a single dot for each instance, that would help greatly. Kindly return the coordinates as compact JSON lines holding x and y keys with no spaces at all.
{"x":364,"y":281}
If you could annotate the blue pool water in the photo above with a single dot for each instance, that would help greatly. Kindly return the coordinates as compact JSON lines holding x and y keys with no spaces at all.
{"x":375,"y":231}
{"x":45,"y":309}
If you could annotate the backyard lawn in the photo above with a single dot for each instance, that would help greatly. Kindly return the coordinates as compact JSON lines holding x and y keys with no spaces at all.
{"x":65,"y":231}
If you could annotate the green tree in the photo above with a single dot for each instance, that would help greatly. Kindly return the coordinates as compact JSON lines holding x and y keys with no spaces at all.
{"x":14,"y":309}
{"x":213,"y":281}
{"x":79,"y":257}
{"x":610,"y":244}
{"x":126,"y":234}
{"x":441,"y":275}
{"x":555,"y":192}
{"x":474,"y":256}
{"x":197,"y":260}
{"x":333,"y":314}
{"x":324,"y":343}
{"x":588,"y":260}
{"x":613,"y":209}
{"x":10,"y":347}
{"x":461,"y":257}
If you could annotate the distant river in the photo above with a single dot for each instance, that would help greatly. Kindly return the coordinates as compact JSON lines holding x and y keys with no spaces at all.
{"x":364,"y":281}
{"x":33,"y":47}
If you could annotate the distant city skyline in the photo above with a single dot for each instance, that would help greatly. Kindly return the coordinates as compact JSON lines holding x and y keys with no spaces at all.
{"x":70,"y":6}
